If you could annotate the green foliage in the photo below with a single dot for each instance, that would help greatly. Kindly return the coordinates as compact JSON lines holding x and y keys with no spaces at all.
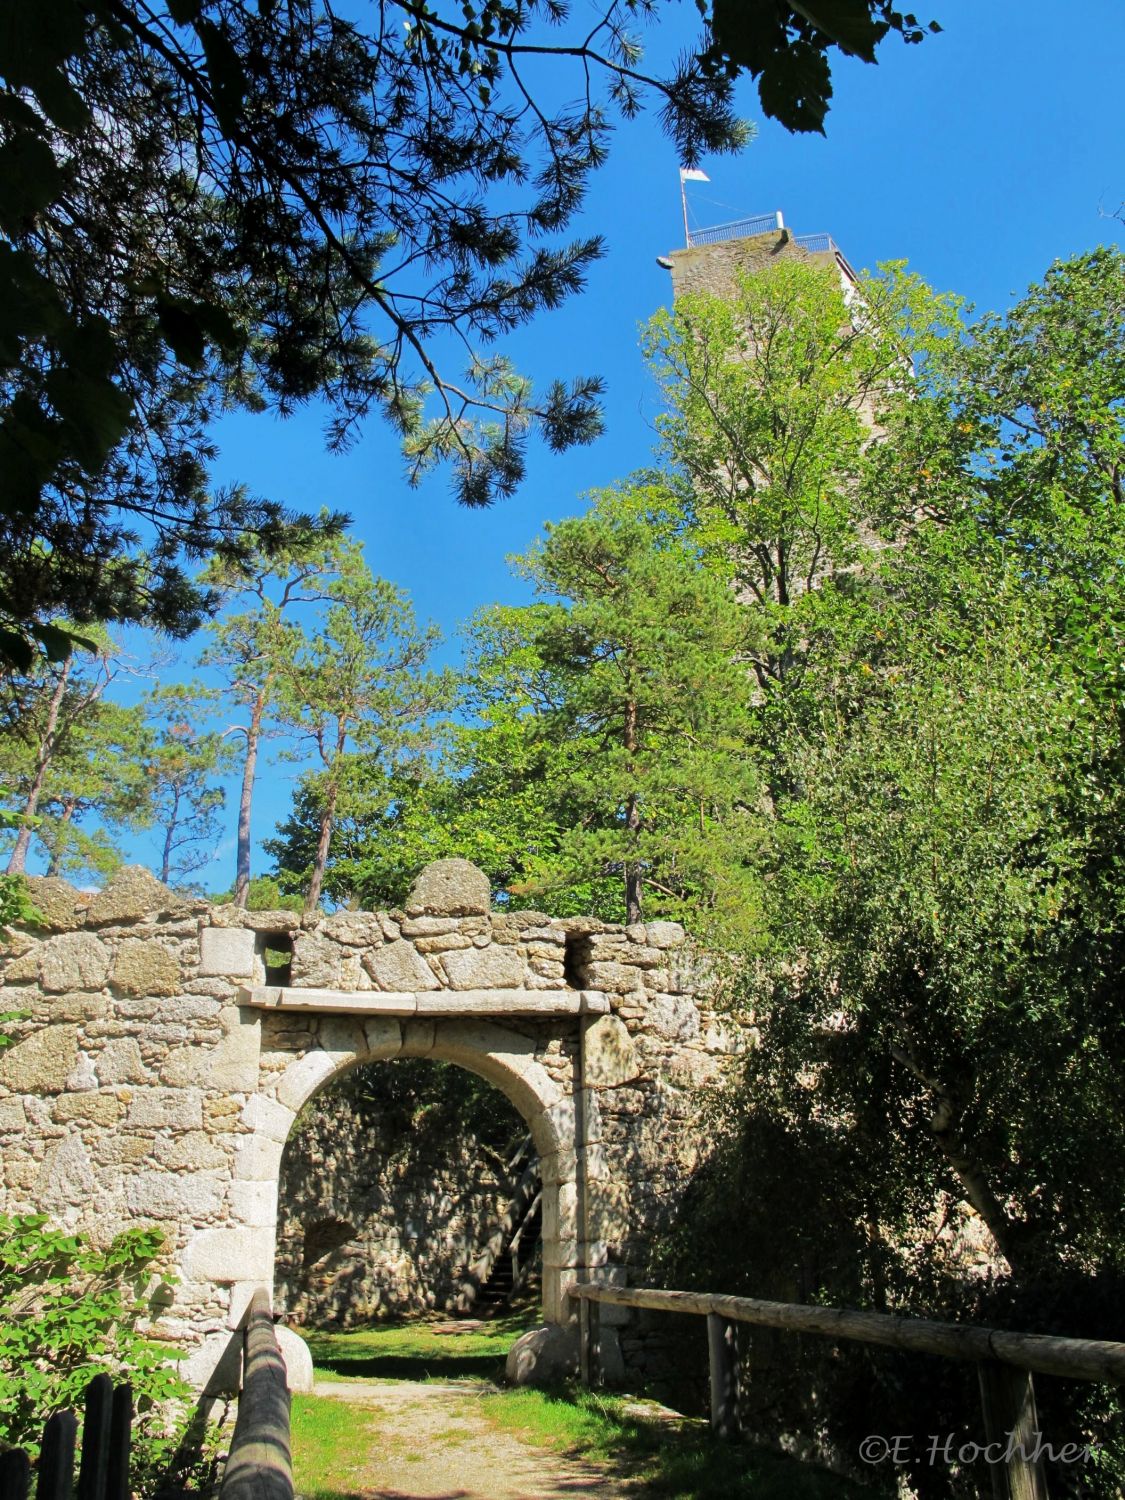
{"x":69,"y":1311}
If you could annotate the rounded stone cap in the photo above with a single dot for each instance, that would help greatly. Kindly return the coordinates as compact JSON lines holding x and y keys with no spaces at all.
{"x":449,"y":888}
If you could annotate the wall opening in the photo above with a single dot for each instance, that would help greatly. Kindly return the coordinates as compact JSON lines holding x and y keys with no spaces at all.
{"x":577,"y":956}
{"x":408,"y":1189}
{"x":274,"y":952}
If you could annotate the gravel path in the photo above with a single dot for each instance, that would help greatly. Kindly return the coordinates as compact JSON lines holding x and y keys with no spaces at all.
{"x":435,"y":1444}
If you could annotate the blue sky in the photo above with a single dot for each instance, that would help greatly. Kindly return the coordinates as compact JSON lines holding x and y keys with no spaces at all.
{"x":980,"y":157}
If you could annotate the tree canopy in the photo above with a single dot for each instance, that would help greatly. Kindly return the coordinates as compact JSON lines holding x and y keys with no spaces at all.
{"x":209,"y":203}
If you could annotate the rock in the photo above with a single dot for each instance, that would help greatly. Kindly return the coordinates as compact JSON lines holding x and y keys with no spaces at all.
{"x":298,"y":1360}
{"x":60,"y":905}
{"x":131,"y":894}
{"x":228,"y":951}
{"x":398,"y":967}
{"x":543,"y":1356}
{"x":42,"y":1063}
{"x":449,"y":888}
{"x":194,"y":1151}
{"x":484,"y":968}
{"x":675,"y":1017}
{"x":145,"y":967}
{"x":664,"y":934}
{"x":176,"y":1109}
{"x":174,"y":1195}
{"x":317,"y":962}
{"x":275,"y":922}
{"x":120,"y":1062}
{"x":214,"y":1367}
{"x":359,"y":929}
{"x":67,"y":1178}
{"x":99,"y":1108}
{"x":82,"y":1077}
{"x":75,"y":961}
{"x":24,"y":968}
{"x":609,"y":1058}
{"x":617,"y":978}
{"x":229,"y":1255}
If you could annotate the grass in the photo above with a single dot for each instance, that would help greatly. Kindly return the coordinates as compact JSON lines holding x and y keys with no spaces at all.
{"x":675,"y":1459}
{"x":418,"y":1350}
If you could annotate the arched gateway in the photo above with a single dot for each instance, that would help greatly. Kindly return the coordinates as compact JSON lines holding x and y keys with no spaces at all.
{"x":166,"y":1046}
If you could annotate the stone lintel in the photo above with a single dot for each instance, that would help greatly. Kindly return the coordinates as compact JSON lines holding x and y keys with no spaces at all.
{"x":422,"y":1005}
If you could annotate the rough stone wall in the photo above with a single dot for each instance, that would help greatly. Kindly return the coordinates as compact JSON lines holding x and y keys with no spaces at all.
{"x":150,"y":1081}
{"x":376,"y":1220}
{"x":715,"y":268}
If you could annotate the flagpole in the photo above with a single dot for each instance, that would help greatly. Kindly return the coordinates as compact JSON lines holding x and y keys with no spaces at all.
{"x":683,"y":200}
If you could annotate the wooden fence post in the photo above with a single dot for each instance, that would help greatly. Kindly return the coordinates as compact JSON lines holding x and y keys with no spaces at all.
{"x":56,"y":1458}
{"x":95,"y":1439}
{"x":15,"y":1475}
{"x":722,"y":1351}
{"x":120,"y":1436}
{"x":1008,"y":1401}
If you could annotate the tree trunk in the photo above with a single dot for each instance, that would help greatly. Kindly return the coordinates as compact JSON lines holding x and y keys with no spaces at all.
{"x":55,"y":862}
{"x":17,"y":863}
{"x":634,"y":882}
{"x":245,"y":801}
{"x":169,"y":835}
{"x":327,"y":819}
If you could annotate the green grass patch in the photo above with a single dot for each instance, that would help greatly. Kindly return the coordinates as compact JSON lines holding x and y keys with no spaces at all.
{"x":332,"y":1448}
{"x":418,"y":1350}
{"x":675,"y":1458}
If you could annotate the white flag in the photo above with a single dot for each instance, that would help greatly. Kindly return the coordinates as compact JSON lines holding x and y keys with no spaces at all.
{"x":693,"y":174}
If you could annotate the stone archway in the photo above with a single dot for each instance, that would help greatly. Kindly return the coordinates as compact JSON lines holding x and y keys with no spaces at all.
{"x":161,"y":1065}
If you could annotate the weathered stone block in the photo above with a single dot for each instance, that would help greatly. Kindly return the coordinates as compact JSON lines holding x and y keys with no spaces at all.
{"x":449,"y":888}
{"x":24,"y":968}
{"x":618,"y":979}
{"x":120,"y":1061}
{"x":99,"y":1108}
{"x":67,"y":1177}
{"x":484,"y":968}
{"x":399,"y":967}
{"x":302,"y":1078}
{"x":82,"y":1078}
{"x":226,"y":951}
{"x":214,"y":1367}
{"x":132,"y":893}
{"x":266,"y":1117}
{"x":74,"y":961}
{"x":664,"y":934}
{"x":543,"y":1356}
{"x":609,"y":1058}
{"x":254,"y":1203}
{"x":143,"y":966}
{"x":257,"y":1159}
{"x":173,"y":1195}
{"x":194,"y":1151}
{"x":317,"y":962}
{"x":42,"y":1062}
{"x":12,"y":1115}
{"x":674,"y":1017}
{"x":298,"y":1360}
{"x":156,"y":1108}
{"x":60,"y":905}
{"x":228,"y":1255}
{"x":359,"y":929}
{"x":271,"y":921}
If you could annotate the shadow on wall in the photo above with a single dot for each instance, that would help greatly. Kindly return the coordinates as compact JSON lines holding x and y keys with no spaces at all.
{"x":395,"y":1189}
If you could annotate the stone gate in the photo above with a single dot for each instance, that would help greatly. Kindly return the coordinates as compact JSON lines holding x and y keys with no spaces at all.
{"x":165,"y":1047}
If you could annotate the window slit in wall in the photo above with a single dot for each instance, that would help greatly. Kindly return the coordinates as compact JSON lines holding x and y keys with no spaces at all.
{"x":275,"y":954}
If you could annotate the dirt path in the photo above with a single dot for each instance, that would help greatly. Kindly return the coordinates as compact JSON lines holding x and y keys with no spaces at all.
{"x":434,"y":1443}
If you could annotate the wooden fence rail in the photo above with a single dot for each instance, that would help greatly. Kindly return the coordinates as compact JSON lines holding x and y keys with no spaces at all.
{"x":103,"y":1472}
{"x":260,"y":1465}
{"x":1004,"y":1361}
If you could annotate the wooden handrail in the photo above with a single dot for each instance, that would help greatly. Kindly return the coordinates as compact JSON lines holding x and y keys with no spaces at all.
{"x":260,"y":1465}
{"x":1072,"y":1359}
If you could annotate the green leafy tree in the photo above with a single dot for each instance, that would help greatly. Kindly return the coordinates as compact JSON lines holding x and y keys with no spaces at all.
{"x":360,"y":684}
{"x":68,"y":754}
{"x":253,"y":648}
{"x":180,"y":767}
{"x":210,"y":202}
